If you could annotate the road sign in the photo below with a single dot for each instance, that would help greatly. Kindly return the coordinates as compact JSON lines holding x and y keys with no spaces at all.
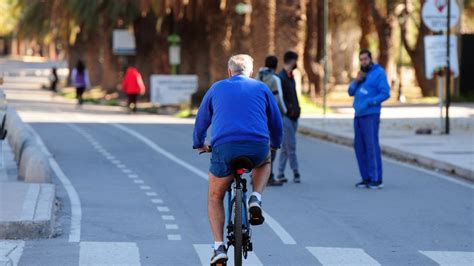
{"x":435,"y":54}
{"x":172,"y":89}
{"x":123,"y":42}
{"x":435,"y":14}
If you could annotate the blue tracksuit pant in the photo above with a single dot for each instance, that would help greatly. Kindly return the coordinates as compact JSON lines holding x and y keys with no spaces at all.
{"x":367,"y":148}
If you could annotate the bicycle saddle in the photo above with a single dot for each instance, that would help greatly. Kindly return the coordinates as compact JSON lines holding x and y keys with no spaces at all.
{"x":241,"y":162}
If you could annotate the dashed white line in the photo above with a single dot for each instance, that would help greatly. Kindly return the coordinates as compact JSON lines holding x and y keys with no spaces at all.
{"x":171,"y":226}
{"x":157,"y":201}
{"x":168,"y":217}
{"x":133,"y":176}
{"x":121,"y":166}
{"x":174,"y":237}
{"x":151,"y":194}
{"x":145,"y":187}
{"x":138,"y":181}
{"x":162,"y":209}
{"x":115,"y":161}
{"x":126,"y":171}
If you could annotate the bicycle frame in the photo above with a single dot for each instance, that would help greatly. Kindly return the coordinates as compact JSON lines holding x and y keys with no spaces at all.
{"x":238,"y":183}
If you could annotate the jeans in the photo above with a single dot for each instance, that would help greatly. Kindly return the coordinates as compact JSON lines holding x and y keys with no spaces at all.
{"x":288,"y":149}
{"x":367,"y":148}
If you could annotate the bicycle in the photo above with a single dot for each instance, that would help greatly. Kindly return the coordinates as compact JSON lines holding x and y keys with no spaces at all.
{"x":238,"y":225}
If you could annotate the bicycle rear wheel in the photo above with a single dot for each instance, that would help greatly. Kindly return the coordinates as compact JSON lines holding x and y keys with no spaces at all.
{"x":238,"y":227}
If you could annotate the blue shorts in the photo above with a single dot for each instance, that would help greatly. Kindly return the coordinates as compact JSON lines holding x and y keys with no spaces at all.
{"x":224,"y":153}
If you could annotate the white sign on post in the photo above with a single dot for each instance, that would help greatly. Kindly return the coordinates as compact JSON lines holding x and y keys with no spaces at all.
{"x":123,"y":42}
{"x":435,"y":14}
{"x":172,"y":89}
{"x":435,"y":54}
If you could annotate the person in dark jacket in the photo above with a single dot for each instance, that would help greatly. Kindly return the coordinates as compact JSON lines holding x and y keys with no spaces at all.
{"x":268,"y":76}
{"x":290,"y":120}
{"x":369,"y":89}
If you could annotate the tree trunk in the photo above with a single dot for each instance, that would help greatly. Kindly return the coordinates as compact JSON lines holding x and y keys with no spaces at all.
{"x":290,"y":23}
{"x":365,"y":23}
{"x":417,"y":56}
{"x":220,"y":45}
{"x":110,"y":65}
{"x":310,"y":63}
{"x":263,"y":29}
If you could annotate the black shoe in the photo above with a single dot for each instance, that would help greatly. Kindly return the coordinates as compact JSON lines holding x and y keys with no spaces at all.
{"x":375,"y":185}
{"x":282,"y":178}
{"x":272,"y":182}
{"x":297,"y":178}
{"x":255,"y":210}
{"x":363,"y":184}
{"x":220,"y":256}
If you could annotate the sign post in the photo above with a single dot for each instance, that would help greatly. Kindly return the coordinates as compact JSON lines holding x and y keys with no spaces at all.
{"x":440,"y":16}
{"x":174,"y":53}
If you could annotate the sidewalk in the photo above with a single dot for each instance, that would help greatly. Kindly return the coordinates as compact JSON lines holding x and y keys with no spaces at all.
{"x":26,"y":209}
{"x":452,"y":153}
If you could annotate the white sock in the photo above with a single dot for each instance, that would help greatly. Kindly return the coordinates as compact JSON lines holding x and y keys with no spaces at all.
{"x":217,"y":244}
{"x":258,"y":195}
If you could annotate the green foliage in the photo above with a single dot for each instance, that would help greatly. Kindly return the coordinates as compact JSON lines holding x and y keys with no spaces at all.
{"x":9,"y":16}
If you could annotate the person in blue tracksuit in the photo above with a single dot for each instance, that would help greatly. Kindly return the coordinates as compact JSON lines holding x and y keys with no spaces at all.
{"x":369,"y":89}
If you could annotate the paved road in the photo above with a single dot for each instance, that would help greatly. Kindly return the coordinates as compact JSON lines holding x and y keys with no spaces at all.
{"x":141,"y":200}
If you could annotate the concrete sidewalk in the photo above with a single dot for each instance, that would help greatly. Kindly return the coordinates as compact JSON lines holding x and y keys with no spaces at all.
{"x":452,"y":153}
{"x":26,"y":209}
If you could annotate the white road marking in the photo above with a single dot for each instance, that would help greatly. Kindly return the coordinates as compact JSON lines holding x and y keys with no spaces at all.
{"x":126,"y":171}
{"x":115,"y":161}
{"x":171,"y":226}
{"x":76,"y":210}
{"x":121,"y":166}
{"x":168,"y":217}
{"x":11,"y":251}
{"x":138,"y":181}
{"x":342,"y":256}
{"x":145,"y":187}
{"x":204,"y":252}
{"x":109,"y":253}
{"x":174,"y":237}
{"x":273,"y":224}
{"x":445,"y":258}
{"x":133,"y":176}
{"x":157,"y":201}
{"x":110,"y":157}
{"x":162,"y":209}
{"x":151,"y":194}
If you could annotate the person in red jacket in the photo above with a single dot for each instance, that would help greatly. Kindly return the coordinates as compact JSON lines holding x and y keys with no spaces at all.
{"x":133,"y":86}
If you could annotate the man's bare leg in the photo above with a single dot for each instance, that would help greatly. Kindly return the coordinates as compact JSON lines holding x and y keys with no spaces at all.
{"x":215,"y":204}
{"x":261,"y":175}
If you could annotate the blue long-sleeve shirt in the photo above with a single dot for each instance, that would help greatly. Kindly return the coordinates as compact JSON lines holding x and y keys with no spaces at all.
{"x":371,"y":92}
{"x":238,"y":109}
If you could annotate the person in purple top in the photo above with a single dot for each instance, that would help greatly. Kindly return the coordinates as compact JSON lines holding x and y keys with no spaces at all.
{"x":245,"y":121}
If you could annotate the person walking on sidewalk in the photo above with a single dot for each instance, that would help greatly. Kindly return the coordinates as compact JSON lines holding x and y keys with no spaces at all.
{"x":290,"y":119}
{"x":133,"y":86}
{"x":268,"y":76}
{"x":80,"y":80}
{"x":369,"y":89}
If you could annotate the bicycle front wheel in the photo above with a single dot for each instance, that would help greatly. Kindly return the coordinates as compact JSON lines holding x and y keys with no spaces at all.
{"x":238,"y":227}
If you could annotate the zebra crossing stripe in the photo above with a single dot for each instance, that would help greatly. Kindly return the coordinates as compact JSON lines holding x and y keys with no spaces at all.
{"x":342,"y":256}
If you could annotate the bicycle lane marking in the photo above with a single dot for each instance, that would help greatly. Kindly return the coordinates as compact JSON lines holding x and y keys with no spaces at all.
{"x":284,"y":236}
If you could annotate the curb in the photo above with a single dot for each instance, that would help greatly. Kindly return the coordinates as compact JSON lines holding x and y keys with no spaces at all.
{"x":394,"y":153}
{"x":33,"y":163}
{"x":37,"y":219}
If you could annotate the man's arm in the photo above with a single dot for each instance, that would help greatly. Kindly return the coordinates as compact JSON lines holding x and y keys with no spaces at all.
{"x":274,"y":121}
{"x":281,"y":102}
{"x":352,"y":88}
{"x":383,"y":90}
{"x":203,"y":121}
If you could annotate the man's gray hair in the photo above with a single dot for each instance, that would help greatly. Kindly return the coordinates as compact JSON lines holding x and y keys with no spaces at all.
{"x":241,"y":64}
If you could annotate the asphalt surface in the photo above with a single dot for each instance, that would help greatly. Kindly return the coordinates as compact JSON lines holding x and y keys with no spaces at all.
{"x":142,"y":193}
